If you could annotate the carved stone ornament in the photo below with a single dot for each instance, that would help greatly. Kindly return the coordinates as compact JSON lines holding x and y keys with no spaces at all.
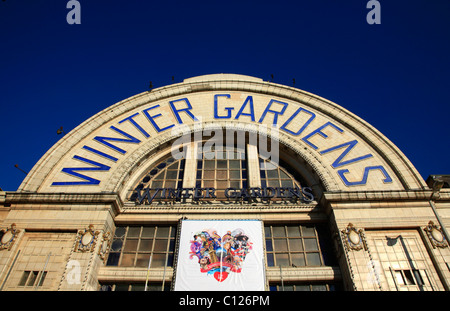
{"x":8,"y":236}
{"x":105,"y":247}
{"x":86,"y":240}
{"x":436,"y":235}
{"x":354,"y":238}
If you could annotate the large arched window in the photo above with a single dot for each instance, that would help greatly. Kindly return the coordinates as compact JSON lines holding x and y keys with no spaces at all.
{"x":219,"y":173}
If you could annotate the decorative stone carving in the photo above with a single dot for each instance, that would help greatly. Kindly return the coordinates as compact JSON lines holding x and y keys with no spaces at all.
{"x":8,"y":236}
{"x":105,"y":247}
{"x":86,"y":240}
{"x":354,"y":238}
{"x":436,"y":235}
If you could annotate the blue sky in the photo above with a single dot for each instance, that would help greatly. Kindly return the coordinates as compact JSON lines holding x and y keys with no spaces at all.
{"x":394,"y":75}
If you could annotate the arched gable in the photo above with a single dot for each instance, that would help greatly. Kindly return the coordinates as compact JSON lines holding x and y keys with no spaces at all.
{"x":111,"y":150}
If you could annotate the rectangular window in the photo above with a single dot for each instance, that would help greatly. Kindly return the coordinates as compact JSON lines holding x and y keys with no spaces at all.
{"x":302,"y":287}
{"x":294,"y":245}
{"x":32,"y":278}
{"x":151,"y":286}
{"x":137,"y":246}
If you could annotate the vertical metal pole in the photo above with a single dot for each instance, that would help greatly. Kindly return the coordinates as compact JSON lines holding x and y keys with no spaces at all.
{"x":148,"y":272}
{"x":42,"y":271}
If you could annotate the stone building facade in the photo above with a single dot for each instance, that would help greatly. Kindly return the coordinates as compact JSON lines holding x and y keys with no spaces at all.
{"x":341,"y":207}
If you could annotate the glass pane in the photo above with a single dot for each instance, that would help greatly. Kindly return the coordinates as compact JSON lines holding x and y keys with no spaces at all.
{"x":161,"y":175}
{"x":157,"y":184}
{"x":308,"y":231}
{"x":234,"y":164}
{"x":208,"y":184}
{"x":162,"y":232}
{"x":42,"y":278}
{"x":222,"y":164}
{"x":296,"y":245}
{"x":160,"y":245}
{"x":313,"y":259}
{"x":134,"y":231}
{"x":270,"y":262}
{"x":280,"y":245}
{"x":319,"y":288}
{"x":142,"y":260}
{"x":158,"y":260}
{"x":399,"y":277}
{"x":273,"y":183}
{"x":267,"y":232}
{"x":293,"y":231}
{"x":209,"y":164}
{"x":148,"y":232}
{"x":269,"y":246}
{"x":235,"y":174}
{"x":284,"y":175}
{"x":418,"y":277}
{"x":173,"y":232}
{"x":222,"y":174}
{"x":302,"y":288}
{"x":235,"y":184}
{"x":131,"y":245}
{"x":172,"y":175}
{"x":24,"y":278}
{"x":146,"y":245}
{"x":137,"y":287}
{"x":171,"y":245}
{"x":282,"y":259}
{"x":311,"y":245}
{"x":278,"y":231}
{"x":121,"y":287}
{"x":127,"y":260}
{"x":116,"y":245}
{"x":208,"y":174}
{"x":222,"y":184}
{"x":113,"y":259}
{"x":272,"y":174}
{"x":120,"y":232}
{"x":170,"y":184}
{"x":409,"y":277}
{"x":286,"y":183}
{"x":298,"y":259}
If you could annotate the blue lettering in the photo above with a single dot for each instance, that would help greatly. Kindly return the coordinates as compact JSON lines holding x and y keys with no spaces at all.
{"x":319,"y":131}
{"x":283,"y":127}
{"x":275,"y":113}
{"x":228,"y":109}
{"x":338,"y":162}
{"x":88,"y":180}
{"x":100,"y":153}
{"x":152,"y":121}
{"x":252,"y":110}
{"x":387,"y":178}
{"x":104,"y":140}
{"x":130,"y":118}
{"x":187,"y":110}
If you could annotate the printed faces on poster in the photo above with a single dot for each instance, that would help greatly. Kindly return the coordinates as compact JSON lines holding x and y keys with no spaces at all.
{"x":220,"y":255}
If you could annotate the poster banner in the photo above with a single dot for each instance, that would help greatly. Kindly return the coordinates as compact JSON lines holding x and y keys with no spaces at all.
{"x":220,"y":255}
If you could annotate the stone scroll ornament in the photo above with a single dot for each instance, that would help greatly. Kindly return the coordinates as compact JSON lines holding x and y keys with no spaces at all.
{"x":354,"y":238}
{"x":86,"y":240}
{"x":219,"y":256}
{"x":8,"y":236}
{"x":105,"y":247}
{"x":435,"y":235}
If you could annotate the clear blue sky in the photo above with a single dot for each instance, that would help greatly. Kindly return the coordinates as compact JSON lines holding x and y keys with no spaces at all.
{"x":395,"y":75}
